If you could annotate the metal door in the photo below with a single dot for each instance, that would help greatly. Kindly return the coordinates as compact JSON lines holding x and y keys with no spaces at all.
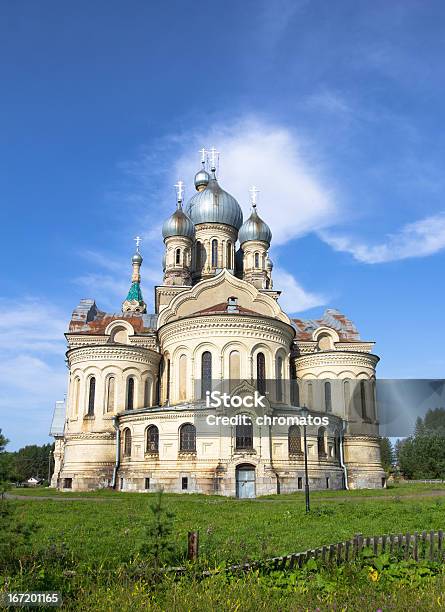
{"x":245,"y":482}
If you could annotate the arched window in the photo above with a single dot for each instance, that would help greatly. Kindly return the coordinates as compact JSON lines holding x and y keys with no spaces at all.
{"x":152,"y":440}
{"x":130,"y":393}
{"x":328,"y":396}
{"x":320,"y":442}
{"x":363,"y":399}
{"x":294,"y":440}
{"x":234,"y":368}
{"x":111,"y":393}
{"x":206,"y":373}
{"x":182,"y":377}
{"x":178,"y":257}
{"x":199,"y":256}
{"x":279,"y":379}
{"x":257,"y":260}
{"x":347,"y":395}
{"x":294,"y":386}
{"x":147,"y":392}
{"x":261,"y":373}
{"x":214,"y":253}
{"x":91,"y":396}
{"x":187,"y":438}
{"x":165,"y":380}
{"x":76,"y":396}
{"x":127,"y":443}
{"x":229,"y":255}
{"x":310,"y":395}
{"x":244,"y":435}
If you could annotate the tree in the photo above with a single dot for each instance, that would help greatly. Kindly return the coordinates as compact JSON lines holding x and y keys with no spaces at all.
{"x":423,"y":454}
{"x":386,"y":453}
{"x":4,"y":464}
{"x":31,"y":461}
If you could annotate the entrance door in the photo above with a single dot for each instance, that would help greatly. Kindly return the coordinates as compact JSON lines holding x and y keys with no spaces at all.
{"x":245,"y":481}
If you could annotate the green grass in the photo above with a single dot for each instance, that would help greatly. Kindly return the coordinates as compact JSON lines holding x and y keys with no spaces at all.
{"x":112,"y":529}
{"x":95,"y":560}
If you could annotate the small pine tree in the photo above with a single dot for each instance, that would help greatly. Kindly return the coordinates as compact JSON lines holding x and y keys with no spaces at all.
{"x":158,"y":547}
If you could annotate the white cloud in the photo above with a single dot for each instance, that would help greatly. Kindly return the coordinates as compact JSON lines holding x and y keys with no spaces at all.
{"x":418,"y":239}
{"x":294,"y":298}
{"x":293,"y":199}
{"x":32,"y":368}
{"x":32,"y":326}
{"x":109,"y":289}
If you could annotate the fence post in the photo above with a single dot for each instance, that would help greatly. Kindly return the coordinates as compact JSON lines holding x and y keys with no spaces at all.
{"x":407,"y":544}
{"x":193,"y":545}
{"x":416,"y":546}
{"x":424,"y":544}
{"x":432,"y":534}
{"x":440,"y":543}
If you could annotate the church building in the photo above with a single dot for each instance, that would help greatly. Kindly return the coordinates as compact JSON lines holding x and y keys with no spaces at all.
{"x":137,"y":415}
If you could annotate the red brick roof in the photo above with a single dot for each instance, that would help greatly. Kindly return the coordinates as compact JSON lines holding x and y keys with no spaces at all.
{"x":331,"y":318}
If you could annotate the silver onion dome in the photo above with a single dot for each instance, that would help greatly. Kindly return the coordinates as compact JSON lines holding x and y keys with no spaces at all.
{"x":137,"y":258}
{"x":179,"y":224}
{"x":202,"y":179}
{"x":255,"y":229}
{"x":214,"y":205}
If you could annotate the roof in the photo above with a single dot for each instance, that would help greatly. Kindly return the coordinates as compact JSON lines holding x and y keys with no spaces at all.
{"x":331,"y":318}
{"x":87,"y":319}
{"x":58,"y":422}
{"x":224,"y":307}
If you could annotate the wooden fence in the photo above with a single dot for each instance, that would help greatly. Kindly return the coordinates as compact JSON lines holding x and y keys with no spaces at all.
{"x":417,"y":546}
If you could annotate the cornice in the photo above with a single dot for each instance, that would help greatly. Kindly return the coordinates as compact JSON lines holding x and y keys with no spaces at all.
{"x":343,"y":358}
{"x":93,"y":435}
{"x":110,"y":352}
{"x":222,"y":325}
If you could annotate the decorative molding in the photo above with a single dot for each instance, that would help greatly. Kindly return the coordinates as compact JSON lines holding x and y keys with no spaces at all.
{"x":93,"y":435}
{"x":113,"y":352}
{"x":223,"y":325}
{"x":334,"y":358}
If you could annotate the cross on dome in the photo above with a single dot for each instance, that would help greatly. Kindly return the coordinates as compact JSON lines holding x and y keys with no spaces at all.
{"x":179,"y":190}
{"x":214,"y":158}
{"x":203,"y":152}
{"x":253,"y":195}
{"x":138,"y":241}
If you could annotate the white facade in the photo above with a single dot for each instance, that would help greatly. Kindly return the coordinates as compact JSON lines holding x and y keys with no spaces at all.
{"x":136,"y":418}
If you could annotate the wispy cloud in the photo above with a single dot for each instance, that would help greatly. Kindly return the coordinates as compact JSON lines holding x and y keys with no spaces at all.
{"x":294,"y":298}
{"x":419,"y":239}
{"x":33,"y":326}
{"x":293,"y":197}
{"x":32,"y":367}
{"x":108,"y":284}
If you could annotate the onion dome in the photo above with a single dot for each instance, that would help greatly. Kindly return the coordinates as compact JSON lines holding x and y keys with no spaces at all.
{"x":202,"y":179}
{"x":214,"y":205}
{"x":179,"y":224}
{"x":269,"y":264}
{"x":255,"y":229}
{"x":137,"y":258}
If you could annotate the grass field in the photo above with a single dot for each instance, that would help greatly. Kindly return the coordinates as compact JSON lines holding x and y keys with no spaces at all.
{"x":103,"y":531}
{"x":111,"y":529}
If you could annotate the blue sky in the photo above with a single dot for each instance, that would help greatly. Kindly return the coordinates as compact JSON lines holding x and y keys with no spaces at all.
{"x":333,"y":109}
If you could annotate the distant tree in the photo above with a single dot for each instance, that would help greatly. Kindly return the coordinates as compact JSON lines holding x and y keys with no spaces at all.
{"x":3,"y":442}
{"x":4,"y":464}
{"x":31,"y":461}
{"x":423,"y":454}
{"x":386,"y":453}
